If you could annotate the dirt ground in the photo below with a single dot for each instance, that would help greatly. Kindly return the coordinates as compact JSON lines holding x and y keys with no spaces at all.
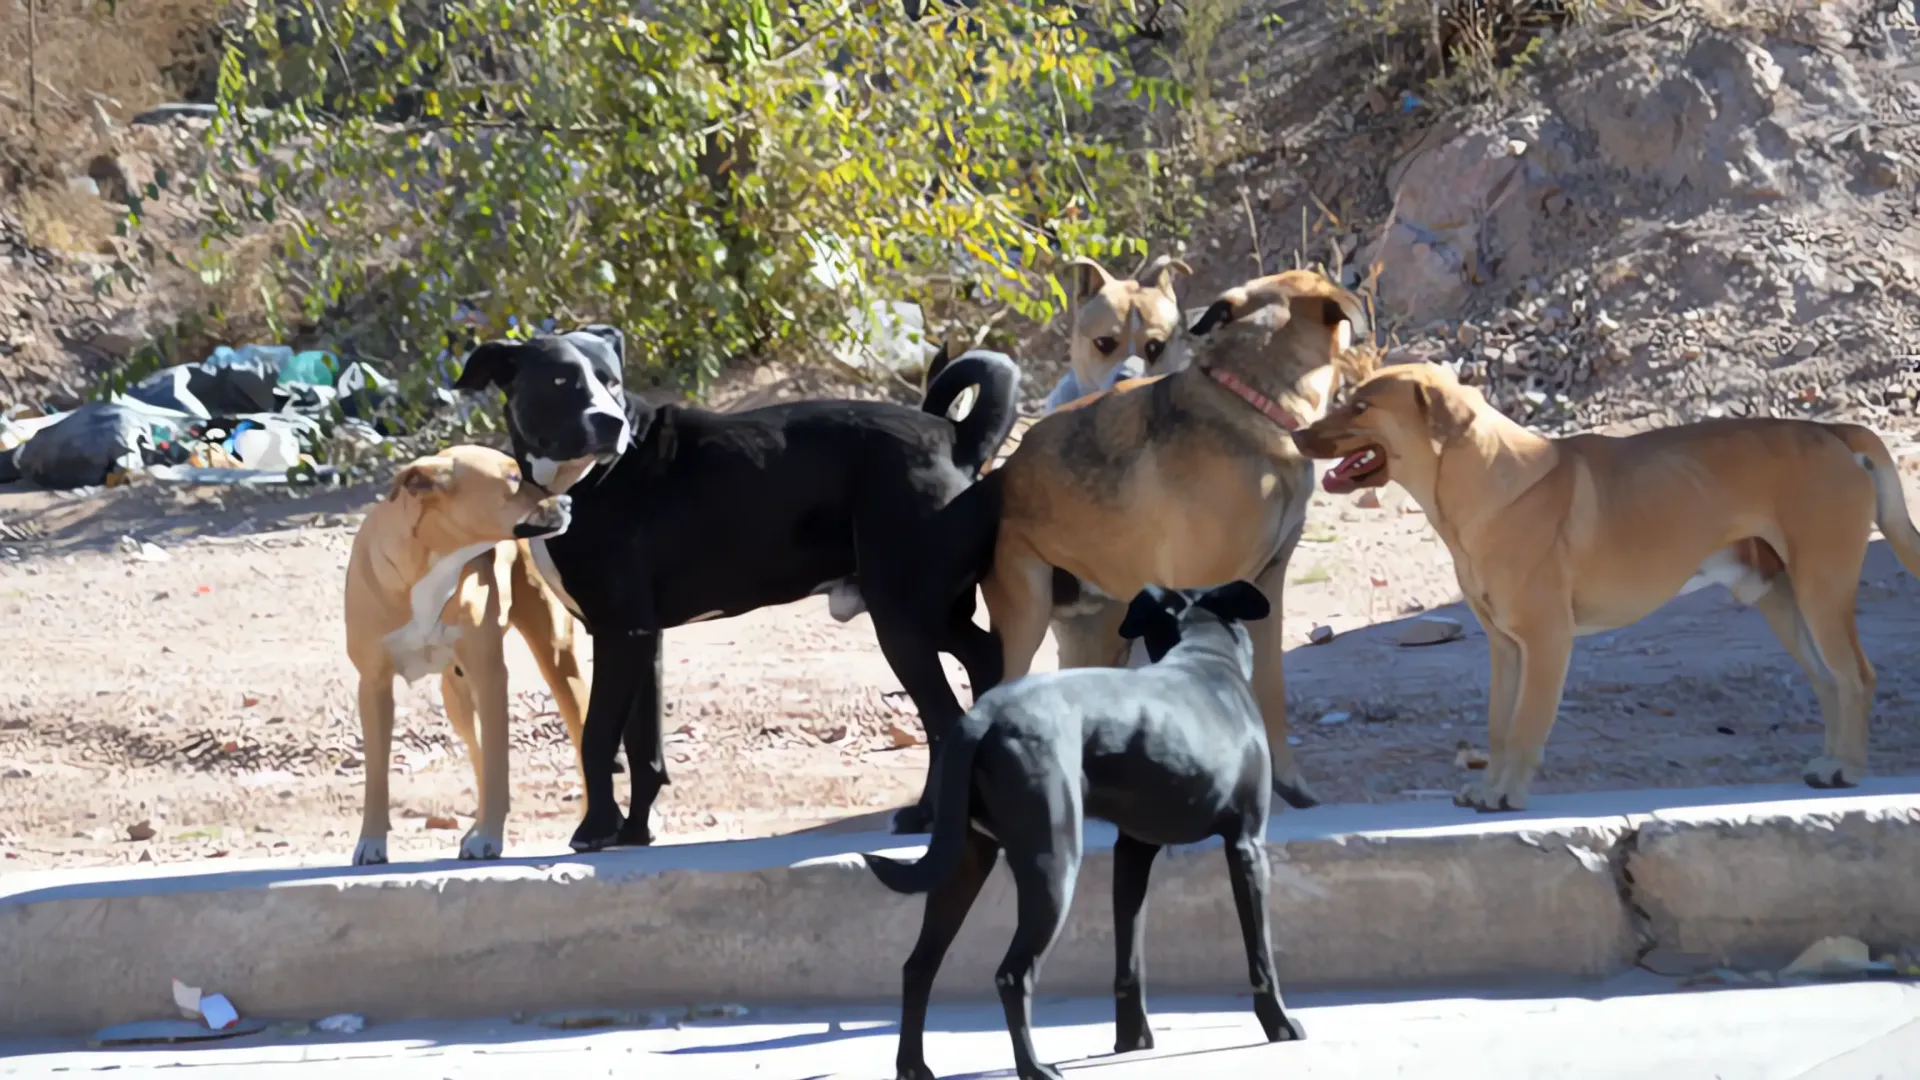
{"x":202,"y":701}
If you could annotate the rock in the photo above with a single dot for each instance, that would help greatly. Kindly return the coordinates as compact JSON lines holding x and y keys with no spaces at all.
{"x":1368,"y":499}
{"x":1469,"y":758}
{"x":1830,"y":956}
{"x":1431,"y":630}
{"x":140,"y":831}
{"x":168,"y":113}
{"x":902,"y":737}
{"x":1332,"y":718}
{"x":1806,"y":347}
{"x":1884,"y":168}
{"x":1320,"y":635}
{"x":442,"y":821}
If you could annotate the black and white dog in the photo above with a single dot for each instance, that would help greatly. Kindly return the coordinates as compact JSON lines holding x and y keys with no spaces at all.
{"x":1171,"y":753}
{"x":680,"y":514}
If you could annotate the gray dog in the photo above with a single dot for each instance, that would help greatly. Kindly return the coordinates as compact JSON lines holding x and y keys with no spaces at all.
{"x":1172,"y":753}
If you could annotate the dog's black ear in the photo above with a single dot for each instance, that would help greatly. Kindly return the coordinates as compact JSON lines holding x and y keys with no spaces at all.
{"x":490,"y":364}
{"x":612,"y":335}
{"x":1218,"y":313}
{"x":939,"y":362}
{"x":1241,"y":601}
{"x":1152,"y":607}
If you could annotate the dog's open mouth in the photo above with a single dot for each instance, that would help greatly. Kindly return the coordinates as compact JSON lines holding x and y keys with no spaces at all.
{"x":1363,"y":468}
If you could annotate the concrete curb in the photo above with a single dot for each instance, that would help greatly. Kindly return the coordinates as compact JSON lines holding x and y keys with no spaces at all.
{"x":1583,"y":885}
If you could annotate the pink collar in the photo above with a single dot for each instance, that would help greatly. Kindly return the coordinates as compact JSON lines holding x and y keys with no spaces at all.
{"x":1255,"y":398}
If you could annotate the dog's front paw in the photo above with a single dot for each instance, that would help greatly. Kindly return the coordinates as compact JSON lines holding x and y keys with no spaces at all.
{"x":599,"y":827}
{"x":913,"y":1070}
{"x":912,"y":819}
{"x":1826,"y":772}
{"x":1126,"y":1042}
{"x":1041,"y":1071}
{"x":370,"y":851}
{"x":1487,"y":799}
{"x":478,"y":845}
{"x":636,"y":831}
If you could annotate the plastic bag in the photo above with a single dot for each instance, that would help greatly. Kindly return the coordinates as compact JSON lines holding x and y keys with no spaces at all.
{"x":315,"y":367}
{"x":88,"y":443}
{"x":236,"y":381}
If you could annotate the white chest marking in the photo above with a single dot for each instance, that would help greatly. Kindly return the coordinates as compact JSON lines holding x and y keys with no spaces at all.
{"x":425,"y":644}
{"x":549,"y":573}
{"x":703,"y":617}
{"x":1722,"y":568}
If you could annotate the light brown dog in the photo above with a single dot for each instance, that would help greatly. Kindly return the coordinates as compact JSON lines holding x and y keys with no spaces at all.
{"x":1553,"y":539}
{"x":1184,"y":481}
{"x":439,"y":571}
{"x":1116,"y":324}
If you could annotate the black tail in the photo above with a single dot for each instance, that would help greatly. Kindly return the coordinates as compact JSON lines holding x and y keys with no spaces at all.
{"x":985,"y":427}
{"x":952,"y":816}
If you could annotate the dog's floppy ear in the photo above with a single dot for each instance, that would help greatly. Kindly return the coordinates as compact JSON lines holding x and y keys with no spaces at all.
{"x":1152,"y":607}
{"x":613,"y":336}
{"x":1446,"y":415}
{"x":1085,"y":278}
{"x":1241,"y":601}
{"x":1159,"y":273}
{"x":489,"y":364}
{"x":1280,"y":292}
{"x":423,"y":476}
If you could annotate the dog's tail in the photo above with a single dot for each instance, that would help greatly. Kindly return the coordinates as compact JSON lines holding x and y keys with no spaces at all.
{"x":1889,"y":501}
{"x":952,"y":816}
{"x":980,"y":433}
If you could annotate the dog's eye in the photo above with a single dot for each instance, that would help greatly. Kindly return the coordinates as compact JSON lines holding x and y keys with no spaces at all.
{"x":1154,"y":348}
{"x":1105,"y":344}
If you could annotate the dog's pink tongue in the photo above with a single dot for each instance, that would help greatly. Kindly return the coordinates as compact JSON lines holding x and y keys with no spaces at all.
{"x":1336,"y":482}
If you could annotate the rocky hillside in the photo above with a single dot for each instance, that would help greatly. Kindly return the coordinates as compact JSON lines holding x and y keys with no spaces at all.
{"x":1708,"y":210}
{"x":1653,"y":214}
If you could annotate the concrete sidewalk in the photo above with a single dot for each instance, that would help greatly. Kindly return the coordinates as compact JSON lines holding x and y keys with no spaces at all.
{"x":1396,"y":895}
{"x":1628,"y":1028}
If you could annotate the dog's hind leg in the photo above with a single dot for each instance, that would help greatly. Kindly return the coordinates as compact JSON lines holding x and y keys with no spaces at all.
{"x":914,"y":657}
{"x":947,"y":908}
{"x":977,"y":648}
{"x":1132,"y":865}
{"x":548,"y":631}
{"x":1825,"y":598}
{"x":458,"y":701}
{"x":1045,"y":864}
{"x":1247,"y":867}
{"x":1270,"y":682}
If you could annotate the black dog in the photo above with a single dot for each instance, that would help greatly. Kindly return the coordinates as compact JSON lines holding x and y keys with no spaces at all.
{"x":686,"y":514}
{"x":1171,"y":754}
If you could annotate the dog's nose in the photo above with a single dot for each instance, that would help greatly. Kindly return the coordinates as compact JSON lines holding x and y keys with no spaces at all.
{"x":606,"y":428}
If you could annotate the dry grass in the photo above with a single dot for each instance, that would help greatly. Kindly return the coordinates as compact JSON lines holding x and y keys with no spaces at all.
{"x":93,"y":66}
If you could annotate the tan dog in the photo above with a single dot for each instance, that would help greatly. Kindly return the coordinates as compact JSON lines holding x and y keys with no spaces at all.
{"x":1553,"y":539}
{"x":439,"y":570}
{"x":1184,"y":481}
{"x":1121,"y":327}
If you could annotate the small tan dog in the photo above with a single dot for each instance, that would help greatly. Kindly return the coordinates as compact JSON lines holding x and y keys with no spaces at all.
{"x":438,"y":573}
{"x":1554,"y":539}
{"x":1120,"y":327}
{"x":1184,"y":480}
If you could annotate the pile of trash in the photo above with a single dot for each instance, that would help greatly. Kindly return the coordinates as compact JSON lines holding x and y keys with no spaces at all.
{"x":256,"y":414}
